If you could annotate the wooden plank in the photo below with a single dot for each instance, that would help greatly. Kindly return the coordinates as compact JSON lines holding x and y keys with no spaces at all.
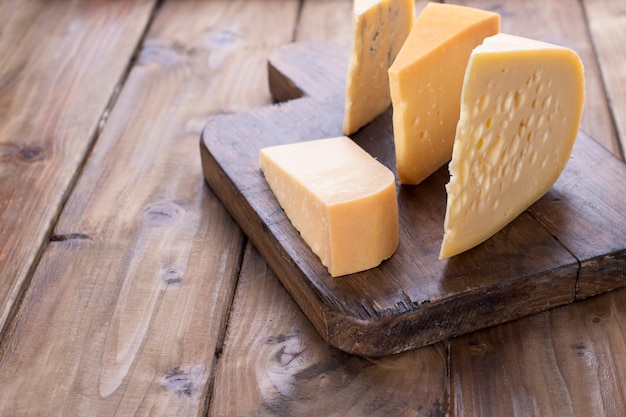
{"x":562,"y":22}
{"x":566,"y":362}
{"x":607,"y":25}
{"x":275,"y":363}
{"x":129,"y":304}
{"x":51,"y":105}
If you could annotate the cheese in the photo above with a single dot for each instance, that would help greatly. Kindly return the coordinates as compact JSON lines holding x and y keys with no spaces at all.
{"x":379,"y":30}
{"x":341,"y":200}
{"x":425,"y":85}
{"x":521,"y":106}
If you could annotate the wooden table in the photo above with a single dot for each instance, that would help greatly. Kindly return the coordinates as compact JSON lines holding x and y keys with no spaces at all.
{"x":127,"y":289}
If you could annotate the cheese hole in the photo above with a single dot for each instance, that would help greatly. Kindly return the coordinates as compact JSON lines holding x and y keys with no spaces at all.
{"x":539,"y":88}
{"x":507,"y":102}
{"x":488,"y":123}
{"x":479,"y":145}
{"x":477,"y":133}
{"x":546,"y":102}
{"x":517,"y":172}
{"x":492,"y":153}
{"x":483,"y":103}
{"x":536,"y":76}
{"x":541,"y":120}
{"x":519,"y":98}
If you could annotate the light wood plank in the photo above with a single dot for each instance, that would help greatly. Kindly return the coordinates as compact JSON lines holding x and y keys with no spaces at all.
{"x":275,"y":363}
{"x":561,"y":22}
{"x":607,"y":24}
{"x":129,"y":304}
{"x":566,"y":362}
{"x":61,"y":63}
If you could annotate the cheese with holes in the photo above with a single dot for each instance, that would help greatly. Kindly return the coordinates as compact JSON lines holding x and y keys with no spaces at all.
{"x":341,"y":200}
{"x":521,"y":106}
{"x":425,"y":84}
{"x":379,"y":30}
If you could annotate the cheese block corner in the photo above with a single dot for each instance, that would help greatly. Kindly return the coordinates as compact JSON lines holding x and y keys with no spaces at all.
{"x":379,"y":28}
{"x":341,"y":200}
{"x":425,"y":85}
{"x":521,"y":107}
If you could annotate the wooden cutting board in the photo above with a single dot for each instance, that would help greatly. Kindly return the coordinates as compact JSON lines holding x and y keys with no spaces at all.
{"x":569,"y":245}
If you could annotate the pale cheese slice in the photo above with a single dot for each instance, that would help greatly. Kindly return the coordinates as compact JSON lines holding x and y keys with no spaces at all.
{"x":341,"y":200}
{"x":425,"y":82}
{"x":521,"y":106}
{"x":379,"y":30}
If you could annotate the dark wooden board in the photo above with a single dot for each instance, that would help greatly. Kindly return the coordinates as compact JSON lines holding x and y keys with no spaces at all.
{"x":413,"y":299}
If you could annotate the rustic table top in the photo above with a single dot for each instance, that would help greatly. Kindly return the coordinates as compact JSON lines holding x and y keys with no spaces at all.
{"x":127,"y":289}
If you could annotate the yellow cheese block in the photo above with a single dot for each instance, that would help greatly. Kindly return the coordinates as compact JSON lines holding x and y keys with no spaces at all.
{"x":521,"y":106}
{"x":379,"y":30}
{"x":341,"y":200}
{"x":425,"y":82}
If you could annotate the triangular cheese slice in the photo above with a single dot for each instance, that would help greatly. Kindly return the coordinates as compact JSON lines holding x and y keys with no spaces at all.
{"x":521,"y":106}
{"x":426,"y":80}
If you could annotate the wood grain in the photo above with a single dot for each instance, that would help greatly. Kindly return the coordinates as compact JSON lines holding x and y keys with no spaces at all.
{"x":565,"y":362}
{"x":275,"y":363}
{"x":50,"y":110}
{"x":130,"y":301}
{"x":607,"y":24}
{"x":562,"y":22}
{"x":598,"y":243}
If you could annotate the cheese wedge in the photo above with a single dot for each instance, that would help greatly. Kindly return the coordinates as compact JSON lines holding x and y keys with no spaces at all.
{"x":379,"y":30}
{"x":341,"y":200}
{"x":425,"y":82}
{"x":521,"y":106}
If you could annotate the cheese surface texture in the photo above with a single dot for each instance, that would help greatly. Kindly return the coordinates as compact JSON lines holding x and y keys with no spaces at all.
{"x":425,"y":85}
{"x":379,"y":30}
{"x":521,"y":106}
{"x":341,"y":200}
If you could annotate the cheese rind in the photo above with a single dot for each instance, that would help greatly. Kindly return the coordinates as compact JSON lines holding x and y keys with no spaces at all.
{"x":425,"y":85}
{"x":380,"y":28}
{"x":521,"y":106}
{"x":341,"y":200}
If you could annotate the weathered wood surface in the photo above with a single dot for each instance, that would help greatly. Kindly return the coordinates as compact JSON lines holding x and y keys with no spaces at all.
{"x":413,"y":299}
{"x":130,"y":300}
{"x":568,"y":361}
{"x":565,"y":362}
{"x":607,"y":25}
{"x":283,"y":367}
{"x":59,"y":70}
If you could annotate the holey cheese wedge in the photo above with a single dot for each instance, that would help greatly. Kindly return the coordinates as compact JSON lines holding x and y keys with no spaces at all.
{"x":379,"y":30}
{"x":425,"y":82}
{"x":341,"y":200}
{"x":521,"y":106}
